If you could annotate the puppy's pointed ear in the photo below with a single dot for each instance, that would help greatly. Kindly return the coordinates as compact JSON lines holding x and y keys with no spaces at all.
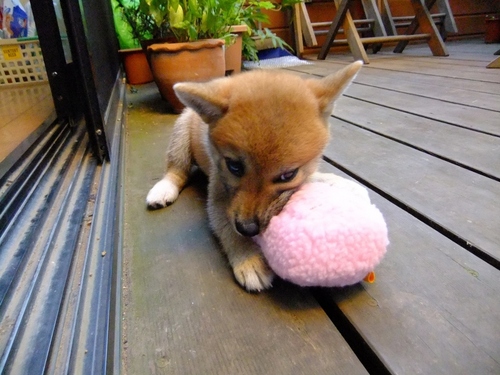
{"x":209,"y":99}
{"x":329,"y":88}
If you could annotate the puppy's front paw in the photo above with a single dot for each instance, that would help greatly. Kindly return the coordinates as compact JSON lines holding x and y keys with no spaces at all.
{"x":253,"y":273}
{"x":164,"y":192}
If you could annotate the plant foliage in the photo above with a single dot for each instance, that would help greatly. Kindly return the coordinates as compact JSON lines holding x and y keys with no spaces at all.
{"x":191,"y":20}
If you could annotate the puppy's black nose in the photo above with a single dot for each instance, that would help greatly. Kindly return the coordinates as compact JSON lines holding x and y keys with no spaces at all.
{"x":247,"y":228}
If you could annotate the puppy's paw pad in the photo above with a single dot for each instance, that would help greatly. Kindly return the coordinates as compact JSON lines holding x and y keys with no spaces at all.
{"x":164,"y":192}
{"x":253,"y":274}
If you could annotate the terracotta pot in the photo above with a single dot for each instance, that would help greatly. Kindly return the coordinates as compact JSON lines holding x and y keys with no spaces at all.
{"x":148,"y":42}
{"x":136,"y":66}
{"x":179,"y":62}
{"x":233,"y":52}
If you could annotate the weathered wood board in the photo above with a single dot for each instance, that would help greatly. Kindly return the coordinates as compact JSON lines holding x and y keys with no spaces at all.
{"x":399,"y":77}
{"x":471,"y":149}
{"x":434,"y":308}
{"x":423,"y":133}
{"x":422,"y":102}
{"x":443,"y":192}
{"x":183,"y":312}
{"x":451,"y":113}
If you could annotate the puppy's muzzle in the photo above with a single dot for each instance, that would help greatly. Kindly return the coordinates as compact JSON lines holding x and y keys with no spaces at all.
{"x":247,"y":228}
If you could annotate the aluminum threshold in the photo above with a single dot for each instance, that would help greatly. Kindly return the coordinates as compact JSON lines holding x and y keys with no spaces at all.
{"x":60,"y":254}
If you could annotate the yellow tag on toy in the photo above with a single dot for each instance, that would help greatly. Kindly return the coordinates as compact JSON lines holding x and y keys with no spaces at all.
{"x":11,"y":53}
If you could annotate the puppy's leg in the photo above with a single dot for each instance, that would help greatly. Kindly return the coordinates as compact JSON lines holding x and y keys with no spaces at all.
{"x":249,"y":266}
{"x":245,"y":257}
{"x":179,"y":160}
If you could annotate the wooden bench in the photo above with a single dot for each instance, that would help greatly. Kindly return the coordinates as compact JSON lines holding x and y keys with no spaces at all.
{"x":444,"y":18}
{"x":381,"y":33}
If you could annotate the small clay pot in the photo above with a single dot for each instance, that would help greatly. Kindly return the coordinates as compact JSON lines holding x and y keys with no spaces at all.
{"x":198,"y":61}
{"x":234,"y":51}
{"x":136,"y":66}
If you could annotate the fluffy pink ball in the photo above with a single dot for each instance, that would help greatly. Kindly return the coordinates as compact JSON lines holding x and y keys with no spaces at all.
{"x":328,"y":234}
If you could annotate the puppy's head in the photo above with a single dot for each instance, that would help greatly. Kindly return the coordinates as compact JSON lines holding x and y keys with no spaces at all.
{"x":267,"y":132}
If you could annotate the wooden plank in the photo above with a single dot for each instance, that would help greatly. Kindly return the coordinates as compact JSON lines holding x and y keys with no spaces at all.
{"x":470,"y":51}
{"x":460,"y":201}
{"x":299,"y":31}
{"x":460,"y":60}
{"x":341,"y":31}
{"x":307,"y":28}
{"x":470,"y":149}
{"x":468,"y":93}
{"x":183,"y":312}
{"x":386,"y":39}
{"x":457,"y":71}
{"x":429,"y":87}
{"x":478,"y":94}
{"x":451,"y":113}
{"x":437,"y":17}
{"x":472,"y":48}
{"x":458,"y":49}
{"x":431,"y":67}
{"x":356,"y":22}
{"x":450,"y":61}
{"x":448,"y":67}
{"x":353,"y":38}
{"x":434,"y":308}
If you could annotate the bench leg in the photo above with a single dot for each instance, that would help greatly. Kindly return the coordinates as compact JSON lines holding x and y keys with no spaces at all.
{"x":449,"y":21}
{"x":372,"y":12}
{"x":334,"y":28}
{"x":353,"y":39}
{"x":424,"y":20}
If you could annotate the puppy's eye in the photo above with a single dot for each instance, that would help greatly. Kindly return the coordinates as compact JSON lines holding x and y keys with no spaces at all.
{"x":235,"y":167}
{"x":287,"y":176}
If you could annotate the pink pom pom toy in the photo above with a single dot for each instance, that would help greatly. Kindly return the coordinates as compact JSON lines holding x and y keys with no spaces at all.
{"x":328,"y":234}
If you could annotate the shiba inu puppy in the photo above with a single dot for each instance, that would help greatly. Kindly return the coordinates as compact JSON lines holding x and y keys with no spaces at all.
{"x":258,"y":136}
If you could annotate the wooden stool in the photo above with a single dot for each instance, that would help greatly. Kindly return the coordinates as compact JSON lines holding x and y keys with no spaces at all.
{"x":444,"y":18}
{"x":422,"y":18}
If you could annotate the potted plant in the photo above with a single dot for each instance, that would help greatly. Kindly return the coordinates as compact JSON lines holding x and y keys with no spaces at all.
{"x":254,"y":14}
{"x":192,"y":33}
{"x":191,"y":27}
{"x":132,"y":55}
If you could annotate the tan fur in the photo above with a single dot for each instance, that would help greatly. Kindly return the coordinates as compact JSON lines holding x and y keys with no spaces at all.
{"x":270,"y":124}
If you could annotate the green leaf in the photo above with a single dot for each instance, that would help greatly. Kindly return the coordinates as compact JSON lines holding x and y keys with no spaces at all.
{"x":176,"y":16}
{"x":193,"y":33}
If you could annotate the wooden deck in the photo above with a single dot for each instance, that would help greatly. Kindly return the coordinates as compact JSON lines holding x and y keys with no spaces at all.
{"x":423,"y":134}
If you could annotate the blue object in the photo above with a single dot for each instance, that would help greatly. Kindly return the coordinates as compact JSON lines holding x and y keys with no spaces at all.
{"x":272,"y":53}
{"x":19,"y":24}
